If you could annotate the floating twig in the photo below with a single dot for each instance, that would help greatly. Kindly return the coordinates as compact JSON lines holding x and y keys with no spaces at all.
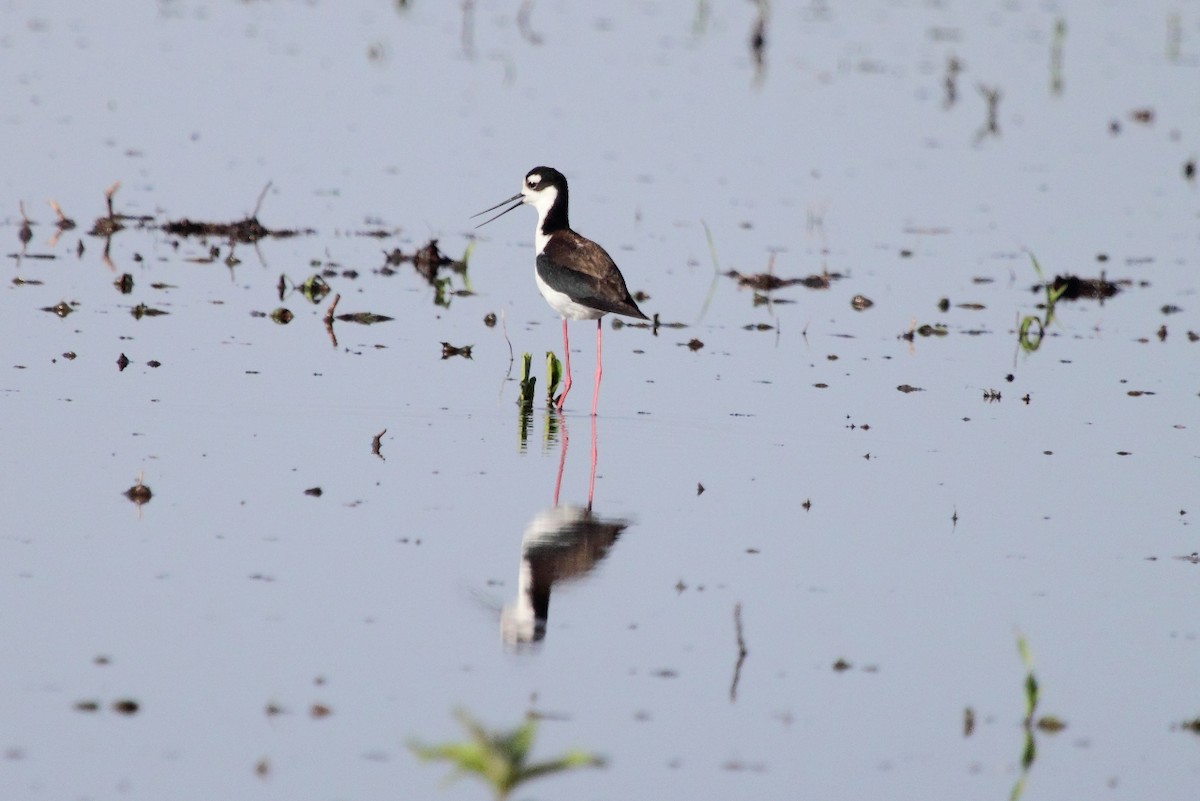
{"x":328,"y":320}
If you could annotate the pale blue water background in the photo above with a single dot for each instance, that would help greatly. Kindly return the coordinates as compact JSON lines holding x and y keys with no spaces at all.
{"x":232,"y":590}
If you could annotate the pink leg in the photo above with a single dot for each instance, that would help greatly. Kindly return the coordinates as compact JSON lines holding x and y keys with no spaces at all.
{"x":599,"y":369}
{"x":562,"y":459}
{"x":592,"y":475}
{"x":567,"y":358}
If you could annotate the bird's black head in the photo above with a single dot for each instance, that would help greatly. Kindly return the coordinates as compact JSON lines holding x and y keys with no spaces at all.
{"x":546,"y":189}
{"x":541,"y":177}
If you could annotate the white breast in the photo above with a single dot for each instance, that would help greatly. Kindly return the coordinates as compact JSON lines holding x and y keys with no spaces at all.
{"x":563,"y":304}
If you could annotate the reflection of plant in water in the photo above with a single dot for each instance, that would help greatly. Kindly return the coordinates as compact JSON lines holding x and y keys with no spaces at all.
{"x":1033,"y":328}
{"x":1047,"y":723}
{"x":499,"y":758}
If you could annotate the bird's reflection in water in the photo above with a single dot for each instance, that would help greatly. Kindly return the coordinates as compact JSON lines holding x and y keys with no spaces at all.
{"x":561,"y":543}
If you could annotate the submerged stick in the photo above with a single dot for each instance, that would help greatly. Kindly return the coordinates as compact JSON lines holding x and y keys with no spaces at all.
{"x":742,"y":652}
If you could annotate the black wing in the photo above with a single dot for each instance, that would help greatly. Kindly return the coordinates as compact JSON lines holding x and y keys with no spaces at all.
{"x":591,"y":279}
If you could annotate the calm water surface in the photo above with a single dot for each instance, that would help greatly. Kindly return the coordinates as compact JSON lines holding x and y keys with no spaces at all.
{"x":909,"y":535}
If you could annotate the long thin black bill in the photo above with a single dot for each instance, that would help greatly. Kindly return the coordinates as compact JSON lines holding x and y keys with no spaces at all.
{"x":516,"y":197}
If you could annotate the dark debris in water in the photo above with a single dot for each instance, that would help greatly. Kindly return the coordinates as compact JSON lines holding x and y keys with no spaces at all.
{"x":449,"y":350}
{"x":906,"y":388}
{"x":926,"y":330}
{"x":142,"y":310}
{"x":427,"y":261}
{"x":767,"y":282}
{"x":248,"y":230}
{"x":62,"y":308}
{"x":125,"y":706}
{"x":112,"y":222}
{"x":1072,"y":287}
{"x":363,"y":318}
{"x":139,"y":493}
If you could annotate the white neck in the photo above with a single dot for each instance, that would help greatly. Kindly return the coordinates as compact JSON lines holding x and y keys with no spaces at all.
{"x":542,"y":201}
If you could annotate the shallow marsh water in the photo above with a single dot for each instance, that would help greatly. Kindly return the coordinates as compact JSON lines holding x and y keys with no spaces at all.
{"x":938,"y":523}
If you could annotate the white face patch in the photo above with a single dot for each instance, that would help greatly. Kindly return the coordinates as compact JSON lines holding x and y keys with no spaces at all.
{"x":542,"y":200}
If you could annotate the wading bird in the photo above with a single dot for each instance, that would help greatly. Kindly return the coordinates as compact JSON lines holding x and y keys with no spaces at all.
{"x":576,"y":276}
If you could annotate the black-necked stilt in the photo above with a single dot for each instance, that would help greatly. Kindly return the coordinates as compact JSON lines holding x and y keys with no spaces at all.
{"x":576,"y":276}
{"x":560,"y":544}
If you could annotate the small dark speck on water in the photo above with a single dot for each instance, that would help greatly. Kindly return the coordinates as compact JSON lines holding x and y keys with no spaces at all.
{"x":699,"y":488}
{"x":139,"y":493}
{"x":87,"y":706}
{"x":315,"y":492}
{"x":122,"y":362}
{"x":695,"y":344}
{"x":125,"y":706}
{"x":841,"y":665}
{"x":906,"y":388}
{"x":1124,"y":453}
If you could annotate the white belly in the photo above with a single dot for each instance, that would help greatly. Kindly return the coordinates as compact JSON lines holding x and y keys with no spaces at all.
{"x":563,"y":304}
